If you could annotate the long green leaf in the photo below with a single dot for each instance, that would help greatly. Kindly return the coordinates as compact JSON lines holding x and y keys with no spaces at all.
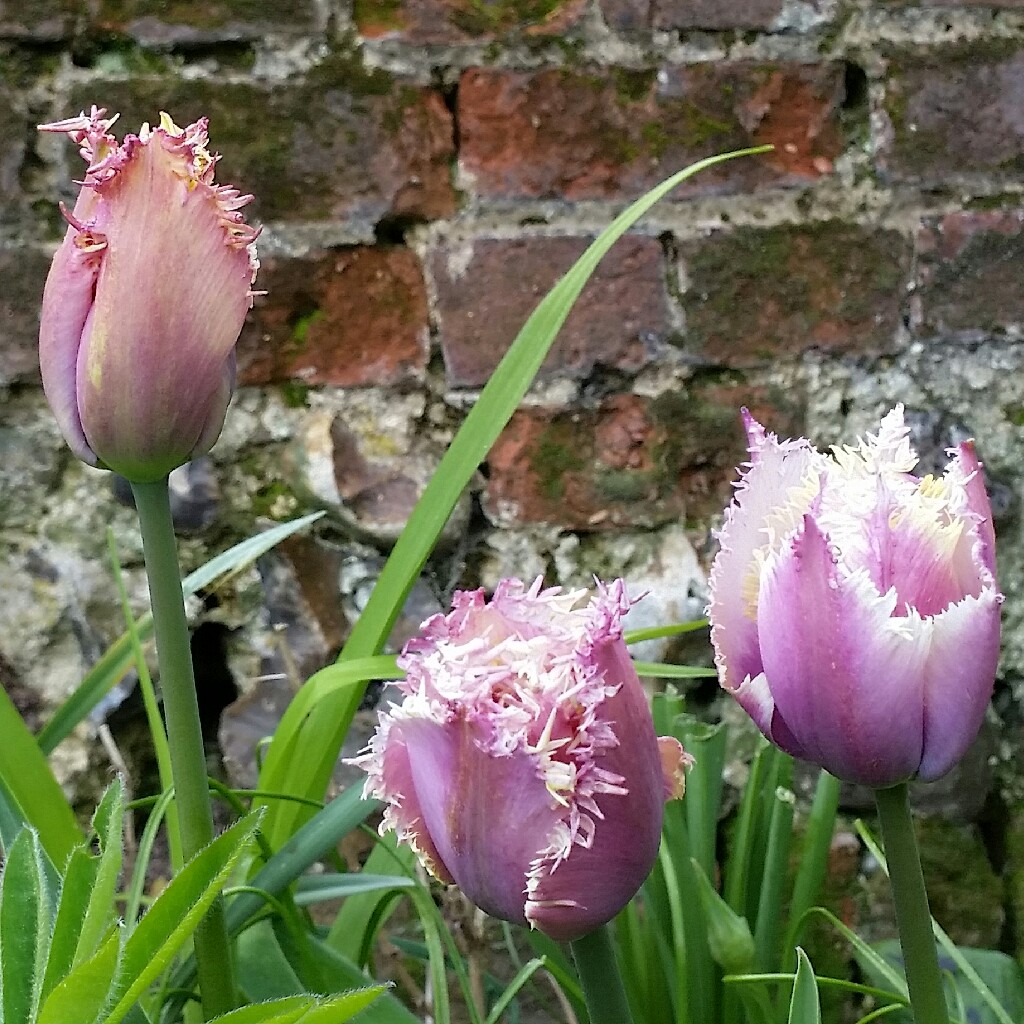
{"x":83,"y":993}
{"x":35,"y":793}
{"x":175,"y":913}
{"x":75,"y":894}
{"x":119,"y":656}
{"x":25,"y":920}
{"x":804,"y":1007}
{"x":108,"y":822}
{"x":326,"y":727}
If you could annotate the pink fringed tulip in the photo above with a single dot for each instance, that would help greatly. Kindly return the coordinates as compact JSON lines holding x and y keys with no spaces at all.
{"x":522,"y":764}
{"x":145,"y":299}
{"x":854,"y":607}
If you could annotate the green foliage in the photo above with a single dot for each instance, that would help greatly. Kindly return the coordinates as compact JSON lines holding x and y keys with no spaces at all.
{"x":804,"y":1007}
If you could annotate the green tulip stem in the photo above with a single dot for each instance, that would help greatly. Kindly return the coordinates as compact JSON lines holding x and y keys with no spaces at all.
{"x":921,"y":962}
{"x":184,"y":732}
{"x":594,"y":955}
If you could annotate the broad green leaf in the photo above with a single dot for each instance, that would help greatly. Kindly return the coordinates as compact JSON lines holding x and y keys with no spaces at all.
{"x":263,"y":969}
{"x":118,"y":658}
{"x":322,"y":970}
{"x":83,"y":993}
{"x":1001,"y":975}
{"x":359,"y":915}
{"x":75,"y":892}
{"x":266,"y":973}
{"x":327,"y":724}
{"x":304,"y":1009}
{"x":175,"y":913}
{"x":804,"y":1007}
{"x":36,"y":796}
{"x":108,"y":823}
{"x":25,"y":919}
{"x":963,"y":965}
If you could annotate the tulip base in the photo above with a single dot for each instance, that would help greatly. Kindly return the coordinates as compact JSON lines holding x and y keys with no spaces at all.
{"x":184,"y":732}
{"x":920,"y":959}
{"x":596,"y":964}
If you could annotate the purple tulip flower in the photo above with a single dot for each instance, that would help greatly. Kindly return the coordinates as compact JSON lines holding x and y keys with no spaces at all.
{"x":854,"y":606}
{"x":522,"y":764}
{"x":145,"y":299}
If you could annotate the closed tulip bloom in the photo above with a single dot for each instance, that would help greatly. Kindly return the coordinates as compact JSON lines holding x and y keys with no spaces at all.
{"x":145,"y":299}
{"x":854,"y":606}
{"x":522,"y":764}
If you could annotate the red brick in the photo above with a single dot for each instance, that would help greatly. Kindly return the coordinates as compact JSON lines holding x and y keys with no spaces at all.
{"x":348,"y":317}
{"x":632,"y":461}
{"x":954,"y":111}
{"x":184,"y":22}
{"x":459,"y":21}
{"x":599,"y":135}
{"x":23,"y":272}
{"x":755,"y":294}
{"x":969,"y":269}
{"x":618,"y":321}
{"x":344,"y":143}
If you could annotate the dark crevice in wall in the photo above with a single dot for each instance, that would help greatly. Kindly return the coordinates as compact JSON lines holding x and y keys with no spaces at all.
{"x":215,"y":685}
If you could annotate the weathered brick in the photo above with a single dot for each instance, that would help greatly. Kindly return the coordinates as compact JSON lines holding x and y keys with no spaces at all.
{"x":755,"y":294}
{"x":347,"y":317}
{"x":600,"y":134}
{"x":17,"y":128}
{"x":631,"y":462}
{"x":459,"y":21}
{"x":969,"y":269}
{"x":618,"y":321}
{"x":954,"y":111}
{"x":23,"y":272}
{"x":675,"y":15}
{"x":343,"y":143}
{"x":183,"y":22}
{"x":40,"y":20}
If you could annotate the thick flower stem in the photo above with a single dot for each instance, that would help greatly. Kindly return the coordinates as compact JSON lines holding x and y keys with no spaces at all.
{"x":598,"y":969}
{"x":184,"y":733}
{"x":927,"y":1000}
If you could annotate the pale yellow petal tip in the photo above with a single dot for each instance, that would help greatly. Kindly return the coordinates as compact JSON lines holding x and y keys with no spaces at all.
{"x":168,"y":125}
{"x":674,"y":763}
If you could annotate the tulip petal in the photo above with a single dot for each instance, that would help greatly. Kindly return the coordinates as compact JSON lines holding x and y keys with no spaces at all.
{"x":67,"y":302}
{"x":958,"y":679}
{"x":776,"y":490}
{"x":846,"y":675}
{"x":967,"y":470}
{"x":573,"y":893}
{"x":485,"y":814}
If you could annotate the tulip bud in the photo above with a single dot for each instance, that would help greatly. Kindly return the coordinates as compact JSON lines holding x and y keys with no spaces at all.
{"x":729,"y":940}
{"x":854,"y":607}
{"x":145,"y":299}
{"x":522,"y":764}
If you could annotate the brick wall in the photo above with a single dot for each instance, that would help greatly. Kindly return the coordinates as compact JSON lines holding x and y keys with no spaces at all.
{"x":425,"y":170}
